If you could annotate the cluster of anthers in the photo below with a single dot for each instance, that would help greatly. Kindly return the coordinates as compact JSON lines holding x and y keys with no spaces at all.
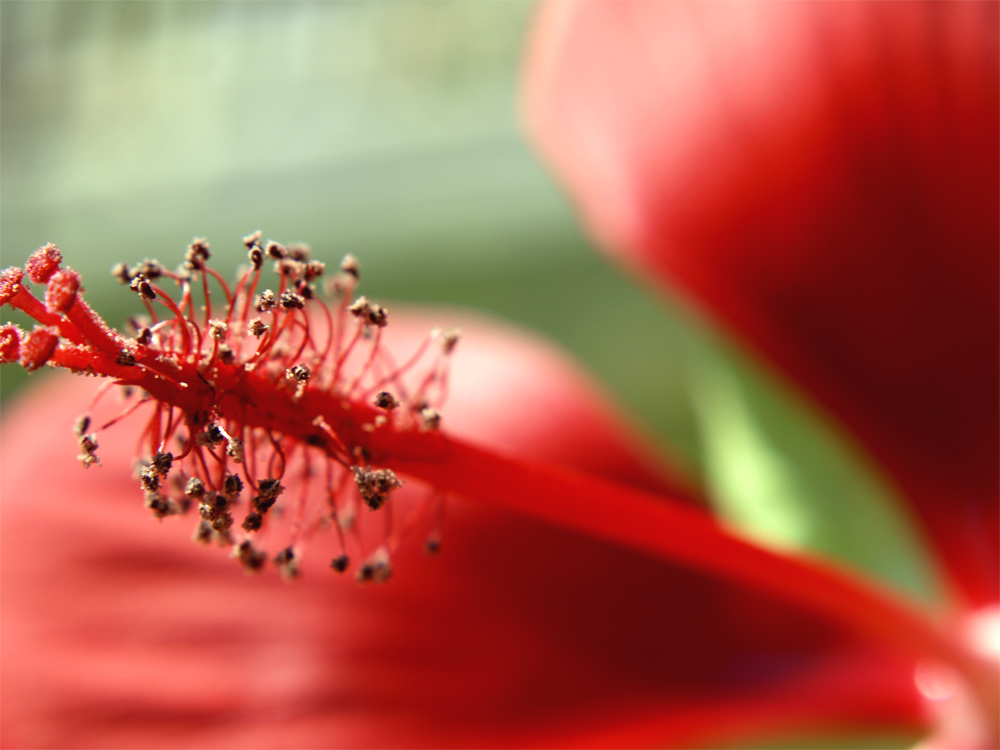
{"x":272,"y":415}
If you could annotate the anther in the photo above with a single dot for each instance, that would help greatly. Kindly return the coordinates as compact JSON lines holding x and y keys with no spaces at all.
{"x":299,"y":251}
{"x":141,"y":286}
{"x":149,"y":479}
{"x":275,"y":250}
{"x":121,"y":272}
{"x":340,"y":563}
{"x":125,"y":358}
{"x":299,"y":373}
{"x":385,"y":400}
{"x":253,"y":521}
{"x":257,"y":327}
{"x":267,"y":493}
{"x":265,"y":301}
{"x":351,"y":267}
{"x":81,"y":426}
{"x":375,"y":486}
{"x":234,"y":449}
{"x":292,"y":301}
{"x":43,"y":263}
{"x":151,"y":269}
{"x":376,"y":568}
{"x":286,"y":564}
{"x":88,"y":444}
{"x":449,"y":340}
{"x":256,"y":256}
{"x":252,"y":240}
{"x":158,"y":505}
{"x":232,"y":486}
{"x":314,"y":269}
{"x":162,"y":462}
{"x":195,"y":488}
{"x":203,"y":533}
{"x":251,"y":559}
{"x":197,"y":253}
{"x":431,"y":418}
{"x":217,"y":329}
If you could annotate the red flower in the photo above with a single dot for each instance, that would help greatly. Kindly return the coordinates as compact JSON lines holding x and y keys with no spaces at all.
{"x":118,"y":632}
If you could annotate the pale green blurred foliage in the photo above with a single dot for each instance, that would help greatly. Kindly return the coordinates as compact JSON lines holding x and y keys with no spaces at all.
{"x":389,"y":130}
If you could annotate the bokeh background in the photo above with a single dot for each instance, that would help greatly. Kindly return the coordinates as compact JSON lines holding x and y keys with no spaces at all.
{"x":390,"y":130}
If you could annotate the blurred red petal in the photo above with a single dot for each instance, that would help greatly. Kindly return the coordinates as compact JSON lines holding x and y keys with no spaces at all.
{"x":117,"y":631}
{"x":823,"y":177}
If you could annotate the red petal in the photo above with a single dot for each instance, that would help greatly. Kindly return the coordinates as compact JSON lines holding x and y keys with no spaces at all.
{"x":117,"y":631}
{"x":823,"y":177}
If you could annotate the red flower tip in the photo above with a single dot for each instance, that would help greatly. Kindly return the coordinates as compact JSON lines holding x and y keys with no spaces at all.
{"x":38,"y":347}
{"x":10,"y":343}
{"x":60,"y":294}
{"x":10,"y":284}
{"x":43,"y":263}
{"x":235,"y":419}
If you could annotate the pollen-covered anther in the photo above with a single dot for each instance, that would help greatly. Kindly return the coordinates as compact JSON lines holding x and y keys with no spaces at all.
{"x":299,"y":251}
{"x":385,"y":400}
{"x":149,"y":479}
{"x":369,"y":312}
{"x":141,"y":286}
{"x":235,"y":450}
{"x":340,"y":563}
{"x":350,"y":266}
{"x":211,"y":435}
{"x":375,"y":485}
{"x":249,"y":557}
{"x":217,"y":329}
{"x":257,"y":327}
{"x":232,"y":486}
{"x":125,"y":358}
{"x":267,"y":493}
{"x":214,"y":510}
{"x":252,"y":240}
{"x":265,"y":302}
{"x":88,"y":444}
{"x":162,"y":462}
{"x":314,"y":269}
{"x":122,"y":272}
{"x":38,"y":347}
{"x":197,"y":253}
{"x":253,"y":521}
{"x":286,"y":564}
{"x":195,"y":488}
{"x":151,"y":268}
{"x":298,"y":373}
{"x":158,"y":505}
{"x":431,"y":418}
{"x":449,"y":340}
{"x":10,"y":343}
{"x":43,"y":263}
{"x":256,"y":257}
{"x":292,"y":300}
{"x":377,"y":568}
{"x":81,"y":425}
{"x":275,"y":250}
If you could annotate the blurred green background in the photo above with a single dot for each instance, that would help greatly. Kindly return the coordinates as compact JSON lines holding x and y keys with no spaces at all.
{"x":389,"y":130}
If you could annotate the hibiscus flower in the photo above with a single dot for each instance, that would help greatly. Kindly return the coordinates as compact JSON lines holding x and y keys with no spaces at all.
{"x":579,"y":598}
